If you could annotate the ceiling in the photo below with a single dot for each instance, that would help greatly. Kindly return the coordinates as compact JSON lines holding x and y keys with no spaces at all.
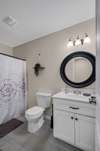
{"x":37,"y":18}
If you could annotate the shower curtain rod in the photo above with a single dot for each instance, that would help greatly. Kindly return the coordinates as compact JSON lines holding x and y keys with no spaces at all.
{"x":12,"y":56}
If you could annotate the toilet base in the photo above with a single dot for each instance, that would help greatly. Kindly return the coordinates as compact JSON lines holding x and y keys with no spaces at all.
{"x":34,"y":126}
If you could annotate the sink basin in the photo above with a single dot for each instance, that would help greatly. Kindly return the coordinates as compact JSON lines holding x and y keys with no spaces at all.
{"x":72,"y":96}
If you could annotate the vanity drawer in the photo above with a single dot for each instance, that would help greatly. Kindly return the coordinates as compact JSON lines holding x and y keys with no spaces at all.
{"x":75,"y":107}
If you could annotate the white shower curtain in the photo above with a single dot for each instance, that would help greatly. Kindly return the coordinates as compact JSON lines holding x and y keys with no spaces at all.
{"x":13,"y":93}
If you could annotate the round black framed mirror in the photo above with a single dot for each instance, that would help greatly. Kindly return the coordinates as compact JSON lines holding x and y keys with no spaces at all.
{"x":78,"y":69}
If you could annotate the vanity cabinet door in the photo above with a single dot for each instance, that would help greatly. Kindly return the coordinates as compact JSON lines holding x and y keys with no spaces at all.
{"x":64,"y":125}
{"x":85,"y":132}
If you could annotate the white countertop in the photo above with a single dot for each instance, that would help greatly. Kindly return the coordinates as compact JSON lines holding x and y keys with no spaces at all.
{"x":72,"y":96}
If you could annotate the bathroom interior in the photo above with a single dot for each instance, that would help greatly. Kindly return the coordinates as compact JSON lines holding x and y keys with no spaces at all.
{"x":47,"y":75}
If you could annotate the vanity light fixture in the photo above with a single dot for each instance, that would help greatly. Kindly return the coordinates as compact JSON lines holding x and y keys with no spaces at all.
{"x":70,"y":43}
{"x":87,"y":39}
{"x":78,"y":41}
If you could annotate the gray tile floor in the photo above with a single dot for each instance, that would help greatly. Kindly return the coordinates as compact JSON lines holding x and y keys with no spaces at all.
{"x":43,"y":140}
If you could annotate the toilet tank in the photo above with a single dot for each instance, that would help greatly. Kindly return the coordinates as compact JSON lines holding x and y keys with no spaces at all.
{"x":43,"y":99}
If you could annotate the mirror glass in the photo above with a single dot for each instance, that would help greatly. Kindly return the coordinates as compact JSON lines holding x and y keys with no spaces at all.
{"x":78,"y":69}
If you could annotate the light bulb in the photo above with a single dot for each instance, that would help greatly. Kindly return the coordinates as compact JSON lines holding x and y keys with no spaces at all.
{"x":70,"y":43}
{"x":87,"y":39}
{"x":78,"y":41}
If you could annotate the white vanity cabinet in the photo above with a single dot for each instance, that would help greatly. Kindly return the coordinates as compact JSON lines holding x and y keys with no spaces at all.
{"x":74,"y":122}
{"x":85,"y":133}
{"x":64,"y":126}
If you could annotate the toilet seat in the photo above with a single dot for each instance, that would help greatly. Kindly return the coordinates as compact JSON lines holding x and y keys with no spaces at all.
{"x":34,"y":112}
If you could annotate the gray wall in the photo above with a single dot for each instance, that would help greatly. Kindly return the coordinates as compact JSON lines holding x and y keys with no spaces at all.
{"x":6,"y":49}
{"x":52,"y":49}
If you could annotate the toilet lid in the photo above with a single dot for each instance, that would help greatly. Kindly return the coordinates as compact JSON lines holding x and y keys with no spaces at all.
{"x":35,"y":110}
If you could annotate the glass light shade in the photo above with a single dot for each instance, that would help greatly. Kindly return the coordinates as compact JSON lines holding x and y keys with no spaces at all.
{"x":77,"y":42}
{"x":87,"y":39}
{"x":70,"y":44}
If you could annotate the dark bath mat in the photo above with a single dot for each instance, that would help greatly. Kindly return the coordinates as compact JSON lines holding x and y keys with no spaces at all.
{"x":9,"y":126}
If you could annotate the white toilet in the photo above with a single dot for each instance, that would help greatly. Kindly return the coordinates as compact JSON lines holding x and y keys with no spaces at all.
{"x":35,"y":115}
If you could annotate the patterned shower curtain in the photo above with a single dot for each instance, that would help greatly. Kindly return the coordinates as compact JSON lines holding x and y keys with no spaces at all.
{"x":13,"y":93}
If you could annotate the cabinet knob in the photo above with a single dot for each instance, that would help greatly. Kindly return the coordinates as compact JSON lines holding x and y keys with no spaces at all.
{"x":72,"y":117}
{"x":76,"y":119}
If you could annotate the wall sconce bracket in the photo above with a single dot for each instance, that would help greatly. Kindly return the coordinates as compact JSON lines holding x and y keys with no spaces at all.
{"x":37,"y":68}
